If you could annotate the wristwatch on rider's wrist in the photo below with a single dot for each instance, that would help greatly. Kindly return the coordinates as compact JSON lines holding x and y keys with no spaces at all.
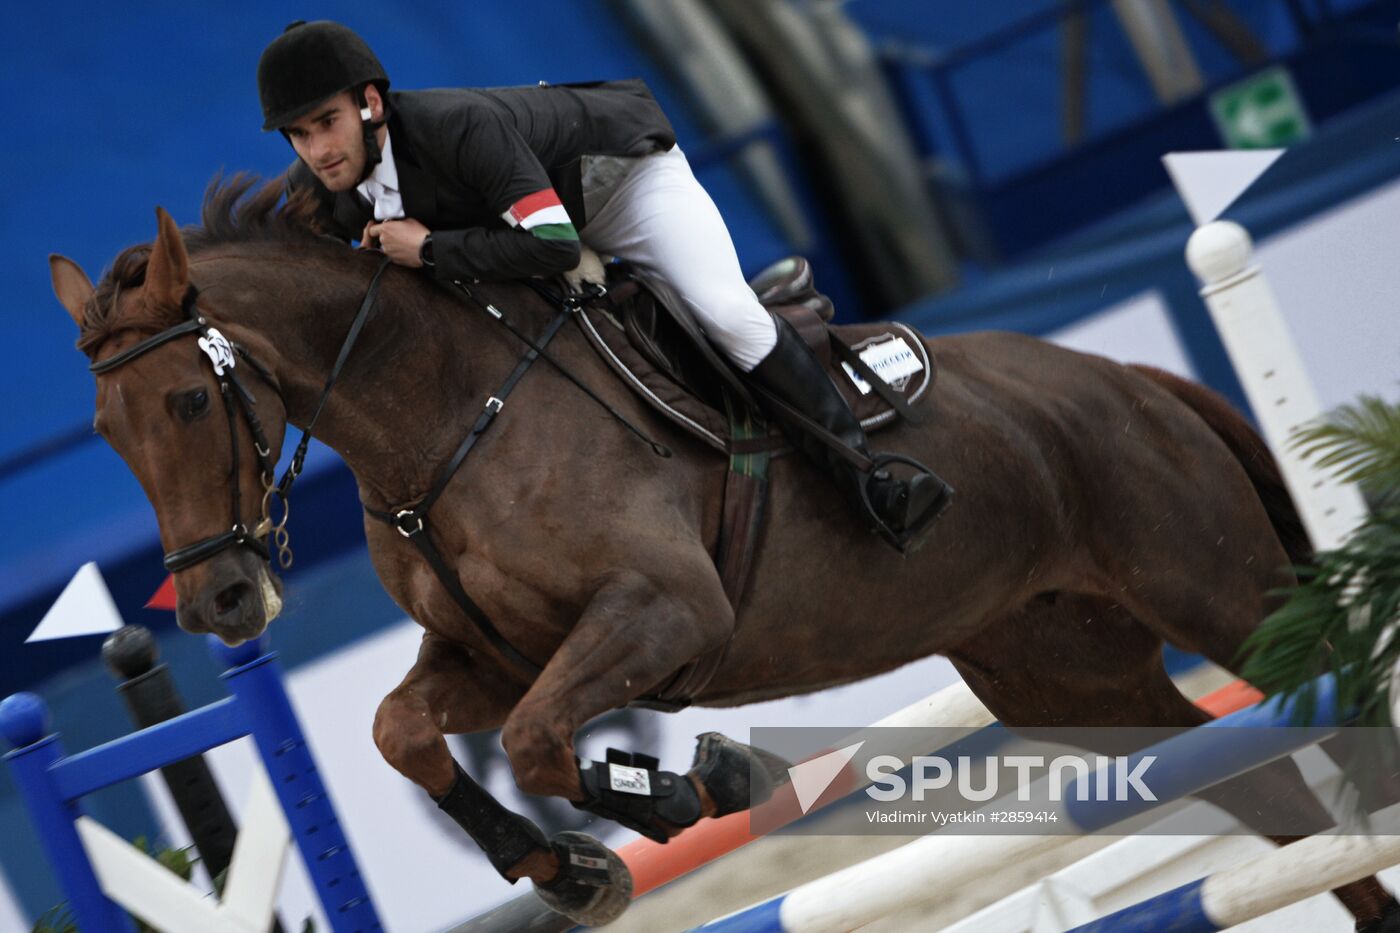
{"x":425,"y":252}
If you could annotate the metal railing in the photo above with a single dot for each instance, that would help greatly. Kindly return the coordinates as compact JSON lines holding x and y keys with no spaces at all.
{"x":938,"y":88}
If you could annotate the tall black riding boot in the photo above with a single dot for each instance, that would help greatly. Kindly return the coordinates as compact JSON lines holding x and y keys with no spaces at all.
{"x":899,"y":510}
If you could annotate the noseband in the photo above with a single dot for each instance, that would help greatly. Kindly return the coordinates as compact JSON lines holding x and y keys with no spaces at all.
{"x":222,"y":355}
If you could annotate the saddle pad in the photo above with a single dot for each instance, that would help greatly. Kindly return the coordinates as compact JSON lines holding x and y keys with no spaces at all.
{"x":892,"y":350}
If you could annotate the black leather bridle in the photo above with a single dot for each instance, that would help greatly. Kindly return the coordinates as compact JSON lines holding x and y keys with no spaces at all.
{"x":410,"y":520}
{"x":223,"y":355}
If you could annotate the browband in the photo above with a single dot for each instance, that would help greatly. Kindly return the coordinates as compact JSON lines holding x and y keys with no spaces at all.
{"x":98,"y":367}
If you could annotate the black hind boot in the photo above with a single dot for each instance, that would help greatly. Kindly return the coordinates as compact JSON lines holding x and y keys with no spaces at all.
{"x":899,"y":510}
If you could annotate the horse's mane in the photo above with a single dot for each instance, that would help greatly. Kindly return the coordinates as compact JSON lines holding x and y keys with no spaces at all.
{"x":229,"y":215}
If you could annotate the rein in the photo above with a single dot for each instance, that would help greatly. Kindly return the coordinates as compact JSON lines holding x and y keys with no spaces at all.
{"x":411,"y":521}
{"x":568,"y":303}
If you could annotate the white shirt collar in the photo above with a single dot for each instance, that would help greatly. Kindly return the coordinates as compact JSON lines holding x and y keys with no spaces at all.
{"x":384,"y":180}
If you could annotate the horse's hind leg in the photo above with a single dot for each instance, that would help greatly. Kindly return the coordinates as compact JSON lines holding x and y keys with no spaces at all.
{"x":638,"y":630}
{"x":445,"y":692}
{"x":1076,"y":660}
{"x":1184,"y":543}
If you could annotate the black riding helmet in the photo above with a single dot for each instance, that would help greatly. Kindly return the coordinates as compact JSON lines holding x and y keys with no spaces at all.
{"x":311,"y":63}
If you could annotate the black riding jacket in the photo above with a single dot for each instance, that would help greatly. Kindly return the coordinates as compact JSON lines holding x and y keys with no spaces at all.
{"x":486,"y":170}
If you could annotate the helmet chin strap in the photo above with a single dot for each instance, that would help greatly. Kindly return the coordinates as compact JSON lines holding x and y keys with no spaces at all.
{"x":370,"y":128}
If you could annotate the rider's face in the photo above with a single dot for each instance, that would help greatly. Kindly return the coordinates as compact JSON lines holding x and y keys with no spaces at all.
{"x":329,"y":139}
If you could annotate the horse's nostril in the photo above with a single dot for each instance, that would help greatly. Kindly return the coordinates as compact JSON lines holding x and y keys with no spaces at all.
{"x":230,"y":598}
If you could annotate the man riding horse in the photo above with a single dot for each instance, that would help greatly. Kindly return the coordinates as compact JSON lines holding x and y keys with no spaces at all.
{"x":559,"y":600}
{"x":506,"y":183}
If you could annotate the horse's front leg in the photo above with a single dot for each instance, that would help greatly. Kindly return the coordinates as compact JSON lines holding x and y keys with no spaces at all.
{"x":446,"y":692}
{"x":638,"y":630}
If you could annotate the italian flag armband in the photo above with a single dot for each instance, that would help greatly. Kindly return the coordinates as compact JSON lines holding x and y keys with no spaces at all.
{"x":543,"y":215}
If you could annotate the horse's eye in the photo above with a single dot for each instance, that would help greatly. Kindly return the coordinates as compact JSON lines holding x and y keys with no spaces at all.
{"x":193,"y":404}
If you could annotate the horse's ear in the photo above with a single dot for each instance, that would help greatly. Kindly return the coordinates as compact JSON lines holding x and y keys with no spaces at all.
{"x":71,"y":286}
{"x":168,"y":269}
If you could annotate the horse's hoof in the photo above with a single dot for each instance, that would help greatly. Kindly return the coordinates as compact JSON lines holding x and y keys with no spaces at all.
{"x":593,"y":886}
{"x":736,"y":776}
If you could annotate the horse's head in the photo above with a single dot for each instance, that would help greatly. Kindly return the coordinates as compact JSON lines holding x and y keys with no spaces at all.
{"x":197,"y":426}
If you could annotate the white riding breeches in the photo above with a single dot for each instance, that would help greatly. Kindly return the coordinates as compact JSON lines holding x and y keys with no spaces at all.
{"x":663,"y":222}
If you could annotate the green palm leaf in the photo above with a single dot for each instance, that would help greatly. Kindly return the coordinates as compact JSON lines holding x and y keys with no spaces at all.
{"x":1334,"y":620}
{"x":1360,"y":443}
{"x":1342,"y":618}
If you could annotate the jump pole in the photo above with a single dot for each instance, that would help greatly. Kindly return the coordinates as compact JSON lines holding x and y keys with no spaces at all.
{"x":655,"y":864}
{"x":1260,"y":886}
{"x":865,"y":892}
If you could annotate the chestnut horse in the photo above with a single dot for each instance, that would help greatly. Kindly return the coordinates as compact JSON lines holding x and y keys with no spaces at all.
{"x":1103,"y":510}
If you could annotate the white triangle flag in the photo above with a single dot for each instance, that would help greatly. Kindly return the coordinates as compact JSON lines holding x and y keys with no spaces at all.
{"x":1209,"y":182}
{"x":84,"y":607}
{"x":812,"y":777}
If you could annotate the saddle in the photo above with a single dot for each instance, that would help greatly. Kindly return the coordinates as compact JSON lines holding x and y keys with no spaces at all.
{"x":662,"y":354}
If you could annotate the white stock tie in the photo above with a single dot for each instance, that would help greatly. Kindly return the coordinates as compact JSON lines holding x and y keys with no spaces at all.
{"x":388,"y":202}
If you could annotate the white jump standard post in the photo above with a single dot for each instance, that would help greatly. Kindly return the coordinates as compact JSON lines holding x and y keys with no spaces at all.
{"x":1271,"y":370}
{"x":1255,"y":334}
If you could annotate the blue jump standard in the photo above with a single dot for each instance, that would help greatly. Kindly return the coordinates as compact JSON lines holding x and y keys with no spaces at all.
{"x":52,"y":785}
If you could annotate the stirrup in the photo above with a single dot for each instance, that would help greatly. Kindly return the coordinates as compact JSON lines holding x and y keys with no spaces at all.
{"x":910,"y":537}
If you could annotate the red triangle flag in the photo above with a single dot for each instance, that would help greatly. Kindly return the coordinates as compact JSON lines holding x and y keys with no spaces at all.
{"x":164,"y":598}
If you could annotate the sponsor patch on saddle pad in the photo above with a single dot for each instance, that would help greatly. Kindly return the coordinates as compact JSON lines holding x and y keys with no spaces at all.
{"x":890,"y":358}
{"x":627,"y":780}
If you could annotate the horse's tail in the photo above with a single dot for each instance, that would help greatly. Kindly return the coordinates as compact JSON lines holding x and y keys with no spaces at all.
{"x":1251,"y":451}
